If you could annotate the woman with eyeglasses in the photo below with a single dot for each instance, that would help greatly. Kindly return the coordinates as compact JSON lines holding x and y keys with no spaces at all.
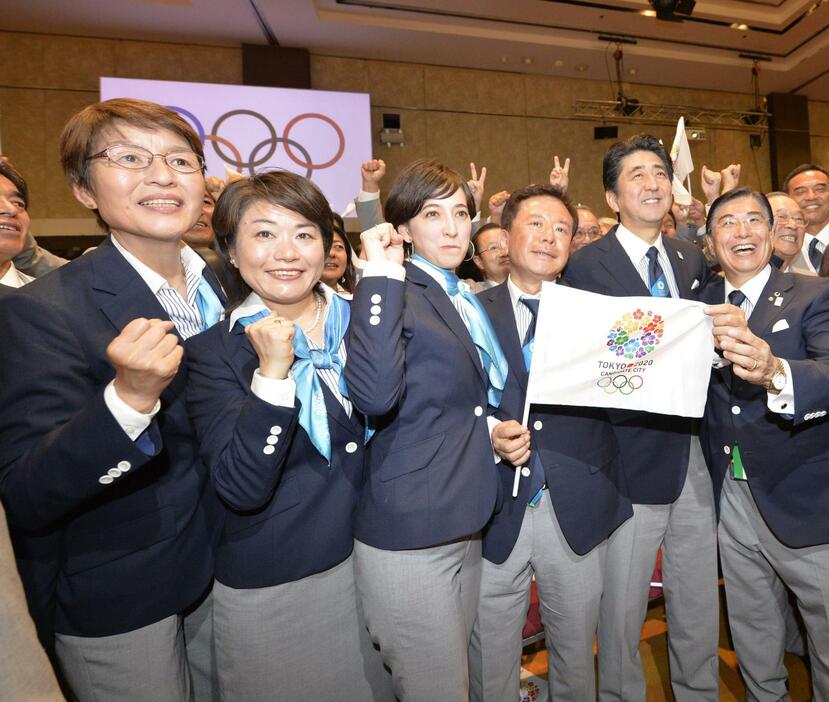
{"x":424,"y":364}
{"x":284,"y":447}
{"x":100,"y":467}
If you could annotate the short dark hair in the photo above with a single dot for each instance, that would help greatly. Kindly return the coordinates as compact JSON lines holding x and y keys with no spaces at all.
{"x":10,"y":172}
{"x":485,"y":228}
{"x":535,"y":190}
{"x":735,"y":194}
{"x":283,"y":188}
{"x":802,"y":168}
{"x":423,"y":180}
{"x":612,"y":163}
{"x":79,"y":136}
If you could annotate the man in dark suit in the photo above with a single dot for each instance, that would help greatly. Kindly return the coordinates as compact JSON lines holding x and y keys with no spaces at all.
{"x":767,"y":446}
{"x":664,"y":469}
{"x":568,"y":501}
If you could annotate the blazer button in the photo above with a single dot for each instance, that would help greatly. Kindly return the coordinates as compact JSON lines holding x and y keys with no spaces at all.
{"x":268,"y":450}
{"x":525,"y":471}
{"x":271,"y":440}
{"x":376,"y":309}
{"x":726,"y":449}
{"x":808,"y":416}
{"x":105,"y":479}
{"x":123,"y":466}
{"x":735,"y":410}
{"x":376,"y":298}
{"x":276,"y":430}
{"x":479,"y":411}
{"x":350,"y":447}
{"x":374,"y":320}
{"x":537,"y":425}
{"x":114,"y":473}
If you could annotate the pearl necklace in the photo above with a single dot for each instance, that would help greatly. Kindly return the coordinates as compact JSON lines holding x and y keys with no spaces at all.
{"x":318,"y":299}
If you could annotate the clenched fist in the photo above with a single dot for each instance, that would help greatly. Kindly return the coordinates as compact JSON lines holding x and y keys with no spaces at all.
{"x":382,"y":243}
{"x":272,"y":338}
{"x":146,"y":357}
{"x":511,"y":441}
{"x":372,"y":173}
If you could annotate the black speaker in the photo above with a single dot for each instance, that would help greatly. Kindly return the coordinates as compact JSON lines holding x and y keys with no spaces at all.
{"x":276,"y":66}
{"x":605,"y":132}
{"x":789,"y":143}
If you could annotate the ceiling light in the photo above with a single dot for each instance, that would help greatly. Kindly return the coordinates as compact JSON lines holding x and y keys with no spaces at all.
{"x":581,"y":67}
{"x":648,"y":13}
{"x":740,"y":26}
{"x":633,"y":71}
{"x":504,"y":59}
{"x":528,"y":60}
{"x":558,"y":63}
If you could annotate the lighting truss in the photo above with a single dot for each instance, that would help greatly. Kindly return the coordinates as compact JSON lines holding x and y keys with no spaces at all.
{"x":612,"y":111}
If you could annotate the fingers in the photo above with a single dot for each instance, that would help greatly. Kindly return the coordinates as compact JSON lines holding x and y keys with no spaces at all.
{"x":473,"y":171}
{"x":483,"y":177}
{"x":567,"y":165}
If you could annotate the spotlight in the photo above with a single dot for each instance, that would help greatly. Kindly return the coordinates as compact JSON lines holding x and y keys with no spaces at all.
{"x":629,"y":106}
{"x":669,"y":9}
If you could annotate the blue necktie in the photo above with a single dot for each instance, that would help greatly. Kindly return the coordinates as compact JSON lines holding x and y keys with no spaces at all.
{"x":208,"y":303}
{"x":529,"y":337}
{"x":480,"y":329}
{"x":313,"y":414}
{"x":537,"y":478}
{"x":816,"y":253}
{"x":737,"y":298}
{"x":657,"y":282}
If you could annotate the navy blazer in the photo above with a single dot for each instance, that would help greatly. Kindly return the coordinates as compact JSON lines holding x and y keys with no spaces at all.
{"x":786,"y":460}
{"x":128,"y":553}
{"x":654,"y":447}
{"x":412,"y":366}
{"x":577,"y":448}
{"x":287,"y":513}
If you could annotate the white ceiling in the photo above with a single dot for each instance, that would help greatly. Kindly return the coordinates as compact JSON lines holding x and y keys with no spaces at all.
{"x":529,"y":36}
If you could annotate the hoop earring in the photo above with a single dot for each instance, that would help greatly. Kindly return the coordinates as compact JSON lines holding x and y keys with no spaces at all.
{"x":233,"y":262}
{"x":471,"y":255}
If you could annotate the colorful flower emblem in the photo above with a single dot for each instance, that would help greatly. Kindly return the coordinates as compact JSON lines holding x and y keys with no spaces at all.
{"x":635,"y":335}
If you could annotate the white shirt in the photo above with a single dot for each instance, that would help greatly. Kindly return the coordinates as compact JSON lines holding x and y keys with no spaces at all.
{"x":182,"y":313}
{"x":637,"y":250}
{"x":13,"y":278}
{"x":784,"y":402}
{"x":822,"y":236}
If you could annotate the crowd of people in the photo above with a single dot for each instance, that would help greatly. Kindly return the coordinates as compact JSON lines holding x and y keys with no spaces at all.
{"x":241,"y":461}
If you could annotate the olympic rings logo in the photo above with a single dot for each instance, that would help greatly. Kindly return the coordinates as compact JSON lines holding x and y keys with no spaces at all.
{"x":620,"y":383}
{"x":265,"y":149}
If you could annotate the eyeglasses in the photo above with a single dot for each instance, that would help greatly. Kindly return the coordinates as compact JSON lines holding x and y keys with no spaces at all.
{"x":135,"y":158}
{"x":753,"y":221}
{"x":490,"y":249}
{"x":784,"y":218}
{"x":592,"y":233}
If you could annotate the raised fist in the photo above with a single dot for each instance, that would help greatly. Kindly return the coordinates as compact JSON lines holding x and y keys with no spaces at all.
{"x":272,"y":338}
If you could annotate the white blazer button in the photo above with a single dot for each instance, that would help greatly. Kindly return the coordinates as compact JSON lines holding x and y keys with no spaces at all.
{"x":735,"y":410}
{"x":268,"y":450}
{"x":726,"y":450}
{"x":272,"y":440}
{"x":123,"y":466}
{"x":276,"y":430}
{"x":374,"y":320}
{"x":350,"y":447}
{"x":376,"y":298}
{"x":537,"y":425}
{"x":525,"y":472}
{"x":375,"y":309}
{"x":479,"y":411}
{"x":114,"y":473}
{"x":105,"y":479}
{"x":823,"y":413}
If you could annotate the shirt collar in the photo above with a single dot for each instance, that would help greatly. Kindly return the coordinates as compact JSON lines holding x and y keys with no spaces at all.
{"x":517,"y":293}
{"x":438,"y":277}
{"x":635,"y":247}
{"x":192,"y":262}
{"x":13,"y":278}
{"x":822,"y":236}
{"x":753,"y":288}
{"x":253,"y":304}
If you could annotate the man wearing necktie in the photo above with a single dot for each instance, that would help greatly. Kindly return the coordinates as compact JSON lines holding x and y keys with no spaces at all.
{"x":568,"y":501}
{"x":664,"y":470}
{"x":808,"y":186}
{"x":767,"y":446}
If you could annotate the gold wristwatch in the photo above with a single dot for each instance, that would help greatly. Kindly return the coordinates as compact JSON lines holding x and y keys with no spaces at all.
{"x":778,"y":378}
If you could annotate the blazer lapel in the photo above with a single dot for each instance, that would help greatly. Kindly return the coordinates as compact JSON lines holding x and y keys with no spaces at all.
{"x":502,"y":317}
{"x":680,"y":269}
{"x":619,"y":267}
{"x":438,"y":298}
{"x":766,"y":312}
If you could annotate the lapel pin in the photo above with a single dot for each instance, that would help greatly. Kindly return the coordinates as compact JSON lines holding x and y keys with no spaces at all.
{"x":778,"y":302}
{"x":681,"y":257}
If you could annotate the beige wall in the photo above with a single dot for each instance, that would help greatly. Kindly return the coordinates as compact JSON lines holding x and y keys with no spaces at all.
{"x":511,"y":123}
